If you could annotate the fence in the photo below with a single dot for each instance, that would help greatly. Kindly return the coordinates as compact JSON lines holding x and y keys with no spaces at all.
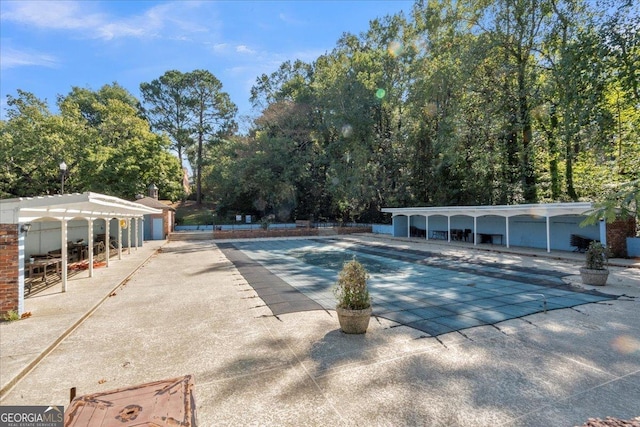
{"x":376,"y":228}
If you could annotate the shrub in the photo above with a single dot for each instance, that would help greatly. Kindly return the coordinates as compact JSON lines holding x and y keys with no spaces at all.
{"x":11,"y":316}
{"x":596,"y":256}
{"x":351,"y":288}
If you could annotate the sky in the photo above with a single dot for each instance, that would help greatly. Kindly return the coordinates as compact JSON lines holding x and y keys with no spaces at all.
{"x":48,"y":47}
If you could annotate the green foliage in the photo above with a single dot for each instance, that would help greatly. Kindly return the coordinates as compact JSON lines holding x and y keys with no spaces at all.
{"x":478,"y":103}
{"x":351,"y":288}
{"x":596,"y":256}
{"x":169,"y":108}
{"x":499,"y":102}
{"x":621,"y":201}
{"x":103,"y":138}
{"x":11,"y":316}
{"x":265,"y":223}
{"x":195,"y":113}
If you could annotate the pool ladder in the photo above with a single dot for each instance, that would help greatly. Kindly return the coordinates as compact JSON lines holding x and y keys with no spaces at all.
{"x":544,"y":300}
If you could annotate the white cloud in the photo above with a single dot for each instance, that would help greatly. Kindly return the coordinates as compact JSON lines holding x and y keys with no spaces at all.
{"x":167,"y":20}
{"x":244,"y":49}
{"x":11,"y":58}
{"x":63,"y":15}
{"x":220,"y":47}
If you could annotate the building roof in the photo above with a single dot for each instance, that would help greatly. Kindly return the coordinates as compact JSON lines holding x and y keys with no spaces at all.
{"x":68,"y":206}
{"x":540,"y":209}
{"x":154,"y":203}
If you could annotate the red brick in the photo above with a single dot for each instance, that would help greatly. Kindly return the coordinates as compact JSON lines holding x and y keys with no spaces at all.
{"x":9,"y":268}
{"x":617,"y":233}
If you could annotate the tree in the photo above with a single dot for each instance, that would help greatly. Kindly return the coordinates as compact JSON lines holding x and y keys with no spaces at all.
{"x":497,"y":102}
{"x":31,"y":148}
{"x":170,"y":108}
{"x":213,"y":114}
{"x":101,"y":136}
{"x":194,"y":112}
{"x":128,"y":156}
{"x":87,"y":101}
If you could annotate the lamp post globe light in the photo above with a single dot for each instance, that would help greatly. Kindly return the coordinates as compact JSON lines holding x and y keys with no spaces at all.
{"x":63,"y":174}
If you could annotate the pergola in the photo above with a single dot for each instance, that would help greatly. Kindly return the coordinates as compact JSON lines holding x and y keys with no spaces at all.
{"x":546,"y":210}
{"x":66,"y":207}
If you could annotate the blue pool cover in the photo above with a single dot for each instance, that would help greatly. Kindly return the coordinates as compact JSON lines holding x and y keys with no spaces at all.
{"x":430,"y":292}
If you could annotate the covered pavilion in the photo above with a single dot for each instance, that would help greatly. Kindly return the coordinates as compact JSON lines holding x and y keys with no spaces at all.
{"x":36,"y":225}
{"x":545,"y":225}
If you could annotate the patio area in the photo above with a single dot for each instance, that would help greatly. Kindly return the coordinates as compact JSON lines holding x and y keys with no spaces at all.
{"x":184,"y":309}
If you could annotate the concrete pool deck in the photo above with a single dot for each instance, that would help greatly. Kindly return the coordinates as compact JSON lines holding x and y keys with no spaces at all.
{"x":187,"y":310}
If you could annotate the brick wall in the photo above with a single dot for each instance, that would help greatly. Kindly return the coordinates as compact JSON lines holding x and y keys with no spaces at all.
{"x":287,"y":232}
{"x":9,"y":268}
{"x":617,"y":233}
{"x":257,"y":233}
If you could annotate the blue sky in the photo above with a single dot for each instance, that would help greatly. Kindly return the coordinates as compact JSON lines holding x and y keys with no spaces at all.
{"x":47,"y":47}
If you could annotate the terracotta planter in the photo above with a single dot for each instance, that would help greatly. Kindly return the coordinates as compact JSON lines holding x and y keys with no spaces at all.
{"x":594,"y":277}
{"x":354,"y":321}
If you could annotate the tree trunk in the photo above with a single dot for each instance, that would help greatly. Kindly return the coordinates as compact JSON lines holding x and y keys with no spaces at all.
{"x":527,"y":170}
{"x":199,"y":157}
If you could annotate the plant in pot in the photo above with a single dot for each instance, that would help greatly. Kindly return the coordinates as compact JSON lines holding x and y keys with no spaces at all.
{"x":595,"y":271}
{"x":354,"y":303}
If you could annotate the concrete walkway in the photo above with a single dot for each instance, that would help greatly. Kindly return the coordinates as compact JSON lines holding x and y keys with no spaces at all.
{"x":186,"y":310}
{"x":55,"y":314}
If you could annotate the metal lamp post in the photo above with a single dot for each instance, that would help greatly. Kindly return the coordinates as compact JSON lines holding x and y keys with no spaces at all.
{"x":63,"y":173}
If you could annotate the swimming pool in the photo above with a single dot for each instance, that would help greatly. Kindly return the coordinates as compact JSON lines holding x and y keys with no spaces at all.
{"x":429,"y":292}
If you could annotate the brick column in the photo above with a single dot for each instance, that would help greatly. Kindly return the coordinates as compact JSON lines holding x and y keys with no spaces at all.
{"x":9,"y":269}
{"x":617,"y":233}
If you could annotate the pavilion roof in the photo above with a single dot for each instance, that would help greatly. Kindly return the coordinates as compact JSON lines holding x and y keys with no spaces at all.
{"x":539,"y":209}
{"x":67,"y":206}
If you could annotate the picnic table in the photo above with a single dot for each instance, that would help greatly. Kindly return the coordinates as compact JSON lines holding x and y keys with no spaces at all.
{"x":42,"y":268}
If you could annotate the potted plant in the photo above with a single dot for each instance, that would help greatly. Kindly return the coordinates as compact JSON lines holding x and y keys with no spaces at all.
{"x":595,"y":271}
{"x":354,"y":302}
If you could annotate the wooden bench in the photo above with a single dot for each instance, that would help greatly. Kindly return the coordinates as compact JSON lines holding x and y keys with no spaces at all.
{"x":303,"y":223}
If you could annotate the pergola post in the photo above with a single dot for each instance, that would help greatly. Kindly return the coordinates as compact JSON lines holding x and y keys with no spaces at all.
{"x":137,"y":231}
{"x":507,"y":221}
{"x":63,"y":254}
{"x":448,"y":228}
{"x":107,"y":238}
{"x":548,"y":235}
{"x":409,"y":226}
{"x":129,"y":236}
{"x":119,"y":239}
{"x":90,"y":245}
{"x":426,"y":231}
